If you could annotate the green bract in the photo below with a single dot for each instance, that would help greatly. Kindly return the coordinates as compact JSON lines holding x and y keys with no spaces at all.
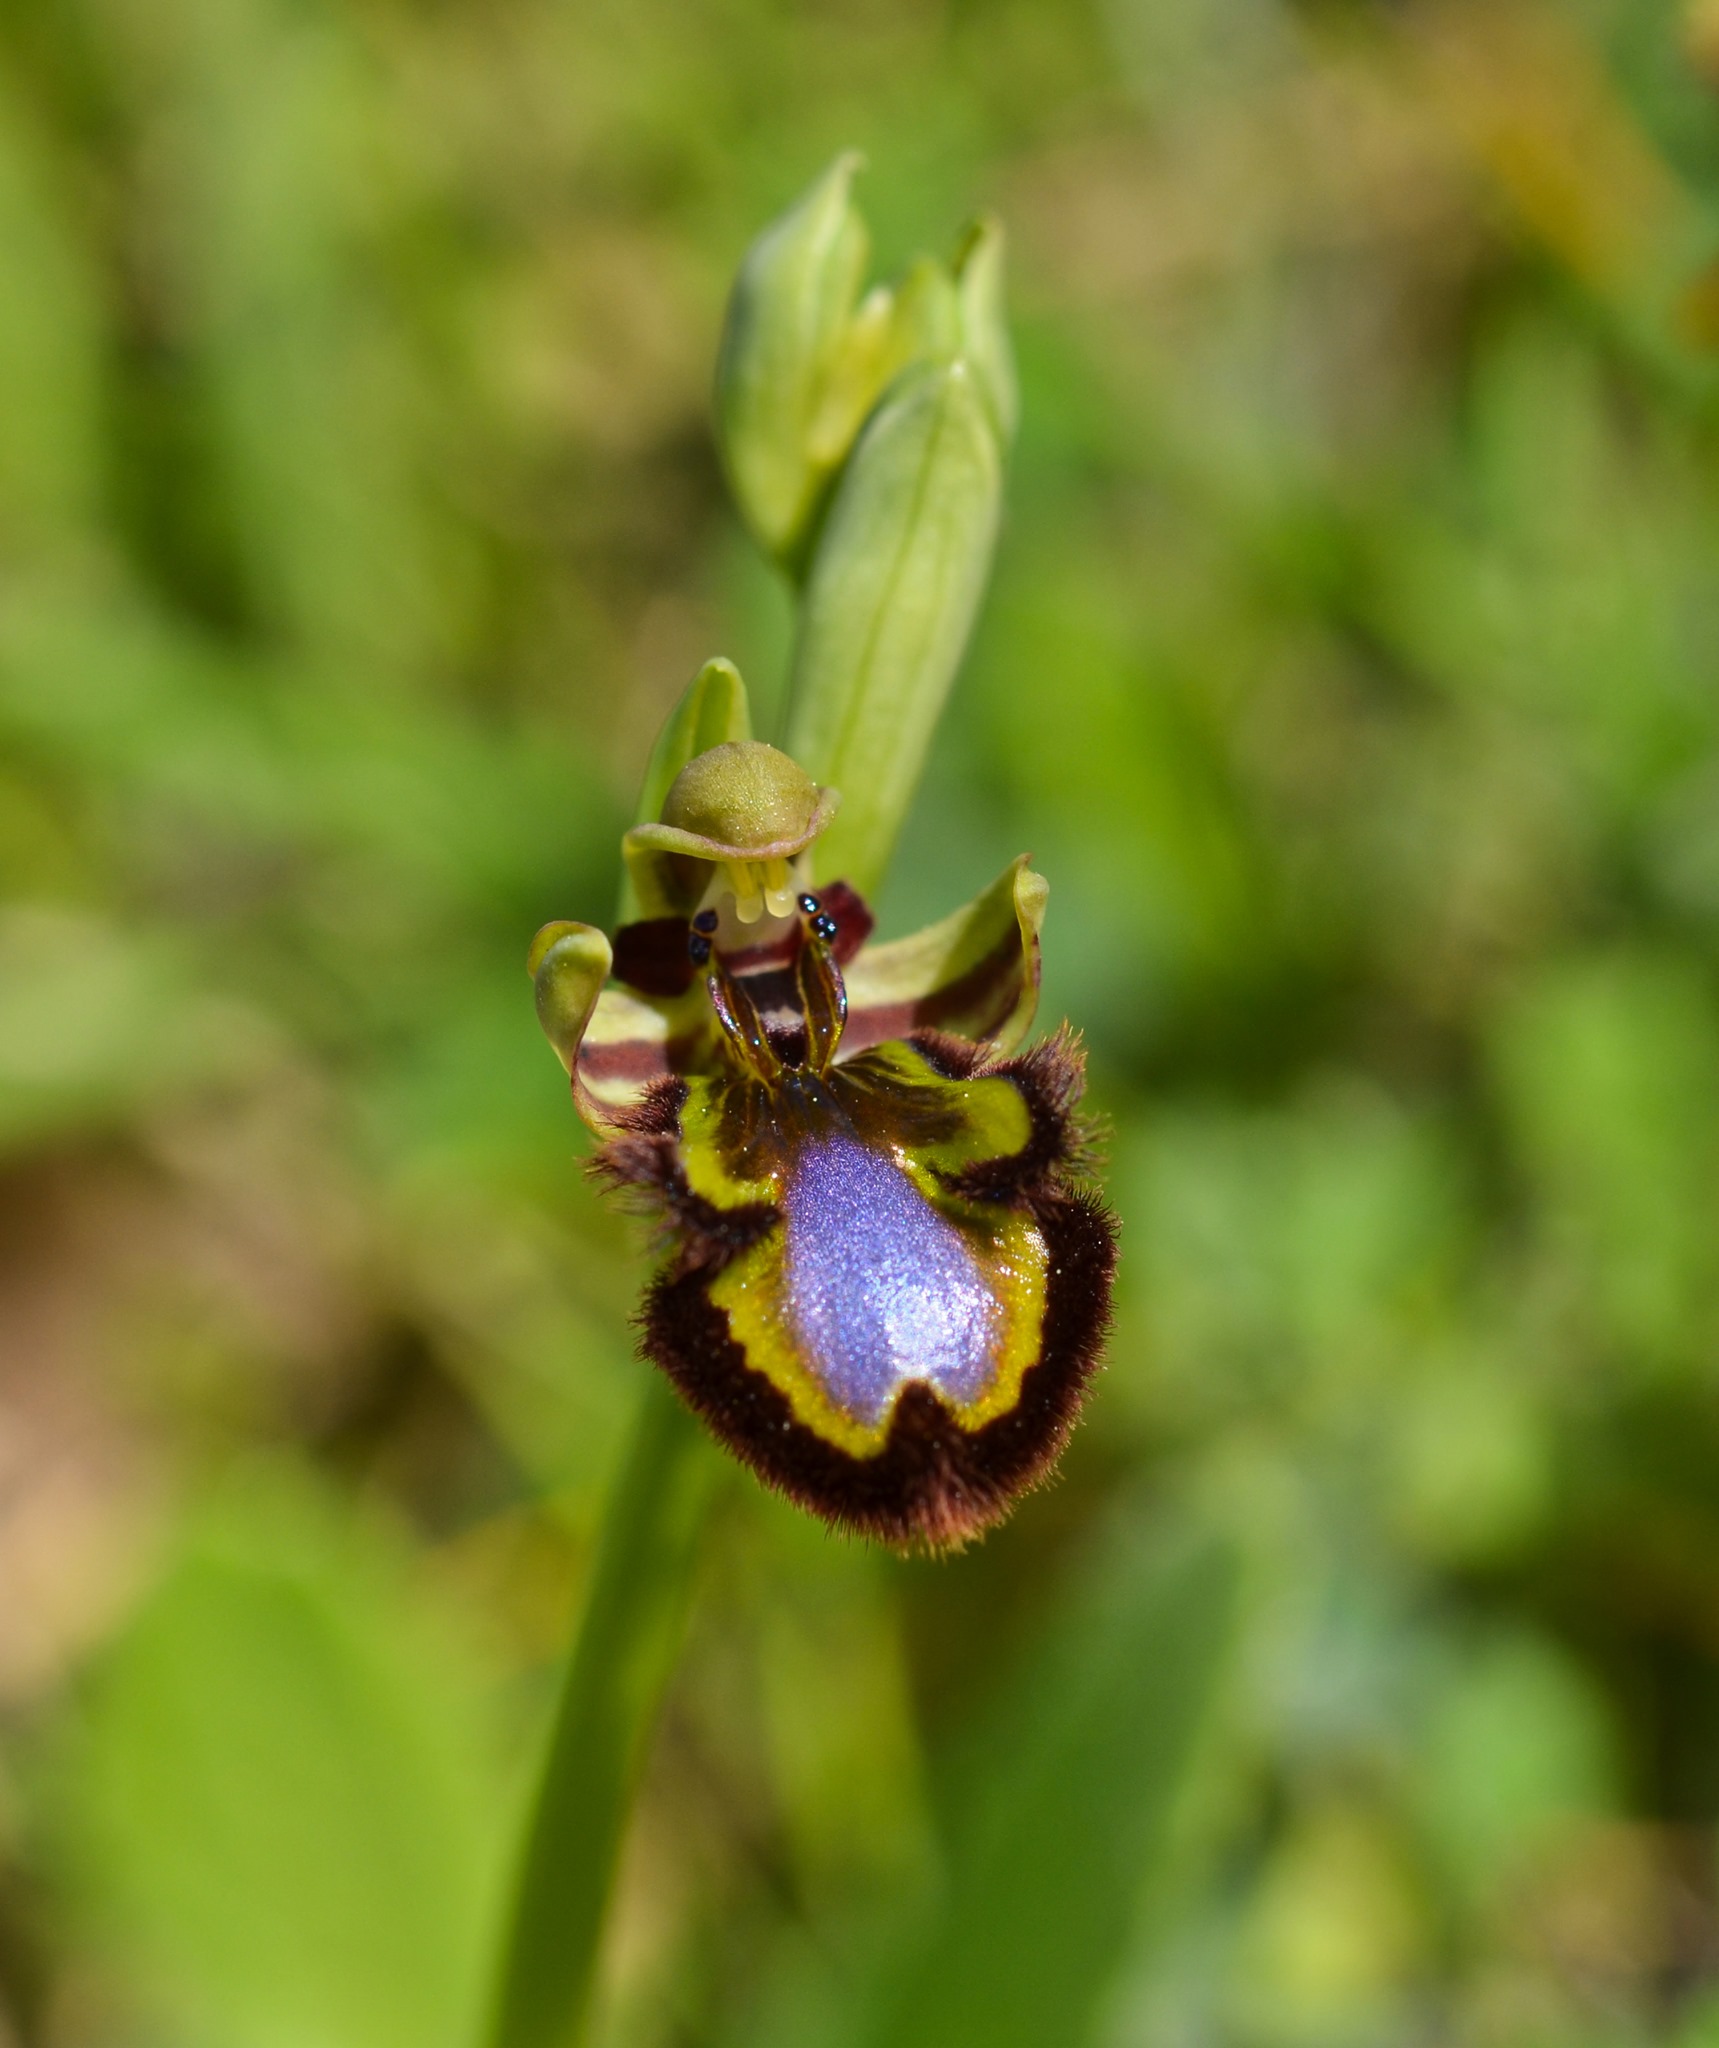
{"x":984,"y":329}
{"x":893,"y":592}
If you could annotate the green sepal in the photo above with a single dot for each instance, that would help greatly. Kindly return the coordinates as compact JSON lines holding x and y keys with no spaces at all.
{"x":568,"y":964}
{"x":714,"y":709}
{"x":894,"y":586}
{"x":787,"y":328}
{"x":926,"y":324}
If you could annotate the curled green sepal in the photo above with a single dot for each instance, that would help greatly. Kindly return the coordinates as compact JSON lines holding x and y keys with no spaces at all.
{"x":974,"y":973}
{"x":894,"y":587}
{"x":621,"y":1044}
{"x":568,"y":964}
{"x":787,"y":331}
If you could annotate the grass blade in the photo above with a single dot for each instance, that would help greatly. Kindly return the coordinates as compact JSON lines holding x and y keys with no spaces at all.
{"x":620,"y":1662}
{"x":1076,"y":1779}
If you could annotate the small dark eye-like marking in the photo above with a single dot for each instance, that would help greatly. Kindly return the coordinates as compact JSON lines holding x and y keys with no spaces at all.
{"x":823,"y":925}
{"x":698,"y":944}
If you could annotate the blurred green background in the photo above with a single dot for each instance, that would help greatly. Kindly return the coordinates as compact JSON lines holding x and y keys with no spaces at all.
{"x":1351,"y":666}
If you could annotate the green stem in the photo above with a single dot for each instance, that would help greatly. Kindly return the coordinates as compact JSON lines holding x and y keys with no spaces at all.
{"x":620,"y":1662}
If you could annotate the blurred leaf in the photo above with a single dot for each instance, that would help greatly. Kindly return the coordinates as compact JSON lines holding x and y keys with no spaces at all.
{"x":96,"y":1020}
{"x":1293,"y":1252}
{"x":1516,"y":1750}
{"x":1062,"y":1807}
{"x":50,"y":342}
{"x":287,"y":1825}
{"x":1335,"y":1933}
{"x":313,"y":376}
{"x":1609,"y":1071}
{"x":1524,"y":89}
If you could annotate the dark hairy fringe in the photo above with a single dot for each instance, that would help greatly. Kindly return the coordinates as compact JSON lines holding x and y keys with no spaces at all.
{"x":642,"y":1163}
{"x":1064,"y":1148}
{"x":933,"y":1486}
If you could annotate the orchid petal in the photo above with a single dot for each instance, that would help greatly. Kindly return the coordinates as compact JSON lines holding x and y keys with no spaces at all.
{"x":974,"y":973}
{"x":631,"y":1044}
{"x":614,"y":1045}
{"x":888,"y":1289}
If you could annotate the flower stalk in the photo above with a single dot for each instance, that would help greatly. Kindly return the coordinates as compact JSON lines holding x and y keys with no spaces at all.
{"x":625,"y":1650}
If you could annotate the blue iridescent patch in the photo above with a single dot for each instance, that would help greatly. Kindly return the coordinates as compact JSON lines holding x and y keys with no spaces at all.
{"x":882,"y":1289}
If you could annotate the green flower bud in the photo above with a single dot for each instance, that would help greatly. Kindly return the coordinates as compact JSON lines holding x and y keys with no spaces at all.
{"x":984,"y":327}
{"x":917,"y":321}
{"x":787,"y":354}
{"x":926,"y":324}
{"x":890,"y":600}
{"x":805,"y":360}
{"x":938,"y":312}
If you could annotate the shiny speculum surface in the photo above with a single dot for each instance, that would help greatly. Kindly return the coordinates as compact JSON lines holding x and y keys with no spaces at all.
{"x":880,"y":1288}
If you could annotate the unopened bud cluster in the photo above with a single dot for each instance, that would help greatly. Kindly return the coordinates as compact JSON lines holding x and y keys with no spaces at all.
{"x":863,"y":432}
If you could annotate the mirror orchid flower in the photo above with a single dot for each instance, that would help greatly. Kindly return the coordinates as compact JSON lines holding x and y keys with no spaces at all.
{"x":884,"y":1283}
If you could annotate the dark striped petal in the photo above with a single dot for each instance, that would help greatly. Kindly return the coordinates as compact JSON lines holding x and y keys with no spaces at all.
{"x":631,"y":1045}
{"x":974,"y":974}
{"x":616,"y":1046}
